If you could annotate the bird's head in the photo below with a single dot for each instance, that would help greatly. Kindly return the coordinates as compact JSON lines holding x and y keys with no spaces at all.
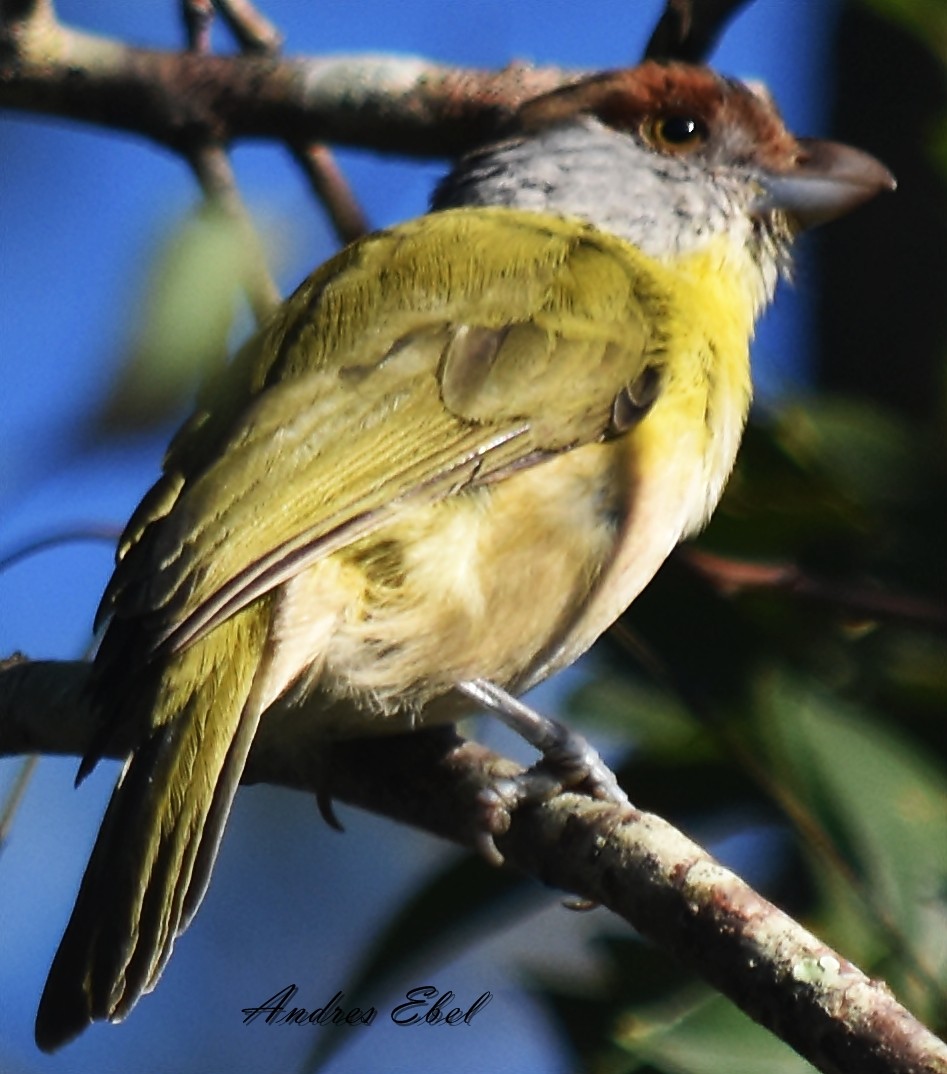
{"x":674,"y":158}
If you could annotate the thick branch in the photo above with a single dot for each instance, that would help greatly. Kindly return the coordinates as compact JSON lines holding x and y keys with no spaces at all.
{"x":180,"y":99}
{"x":183,"y":99}
{"x":637,"y":865}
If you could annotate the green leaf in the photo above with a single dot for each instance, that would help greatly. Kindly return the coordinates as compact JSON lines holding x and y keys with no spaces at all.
{"x":926,"y":19}
{"x":864,"y":451}
{"x":885,"y":803}
{"x":707,"y":1035}
{"x":185,"y":323}
{"x":643,"y":1012}
{"x":630,"y":975}
{"x":652,"y":718}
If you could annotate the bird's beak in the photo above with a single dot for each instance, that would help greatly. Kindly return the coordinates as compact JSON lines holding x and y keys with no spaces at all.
{"x":827,"y":180}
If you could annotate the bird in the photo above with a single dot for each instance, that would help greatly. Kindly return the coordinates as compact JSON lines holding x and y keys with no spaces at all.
{"x":440,"y":470}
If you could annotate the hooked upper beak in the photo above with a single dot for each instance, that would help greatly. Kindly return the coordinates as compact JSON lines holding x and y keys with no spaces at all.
{"x":828,"y":180}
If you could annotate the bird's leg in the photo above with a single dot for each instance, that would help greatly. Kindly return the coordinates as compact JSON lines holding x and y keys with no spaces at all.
{"x":569,"y":762}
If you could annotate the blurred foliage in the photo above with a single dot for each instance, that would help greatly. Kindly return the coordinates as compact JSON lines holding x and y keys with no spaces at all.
{"x":183,"y":329}
{"x":925,"y":19}
{"x":656,"y":1020}
{"x":883,"y":272}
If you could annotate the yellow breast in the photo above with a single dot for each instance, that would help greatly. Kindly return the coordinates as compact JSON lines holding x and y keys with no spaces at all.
{"x":514,"y":580}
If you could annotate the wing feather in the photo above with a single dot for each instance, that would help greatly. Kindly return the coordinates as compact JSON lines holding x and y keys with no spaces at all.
{"x":442,"y":353}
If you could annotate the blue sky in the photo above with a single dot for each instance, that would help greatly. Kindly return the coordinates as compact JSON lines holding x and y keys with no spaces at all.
{"x":80,"y":214}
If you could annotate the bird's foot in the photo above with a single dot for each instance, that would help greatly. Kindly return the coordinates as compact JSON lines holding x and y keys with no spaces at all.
{"x":569,"y":763}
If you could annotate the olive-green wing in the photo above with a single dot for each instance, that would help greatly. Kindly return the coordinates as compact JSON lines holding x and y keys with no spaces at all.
{"x":420,"y":361}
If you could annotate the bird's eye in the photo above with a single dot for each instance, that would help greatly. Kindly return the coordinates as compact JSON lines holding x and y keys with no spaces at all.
{"x":677,"y":133}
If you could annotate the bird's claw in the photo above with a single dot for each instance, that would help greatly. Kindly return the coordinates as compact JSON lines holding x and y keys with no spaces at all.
{"x":569,"y":763}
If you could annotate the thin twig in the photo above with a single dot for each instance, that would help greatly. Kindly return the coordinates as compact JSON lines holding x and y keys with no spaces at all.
{"x":730,"y":576}
{"x":15,"y":797}
{"x":257,"y":34}
{"x":75,"y":535}
{"x":332,"y":189}
{"x":198,"y":16}
{"x":211,"y":164}
{"x":254,"y":31}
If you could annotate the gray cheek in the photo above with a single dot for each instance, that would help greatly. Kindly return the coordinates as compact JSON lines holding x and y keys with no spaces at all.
{"x":663,"y":205}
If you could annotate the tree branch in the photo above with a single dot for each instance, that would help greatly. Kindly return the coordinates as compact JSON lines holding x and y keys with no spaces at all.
{"x":250,"y":27}
{"x":635,"y":864}
{"x":198,"y":16}
{"x":330,"y":186}
{"x":390,"y":103}
{"x":178,"y":99}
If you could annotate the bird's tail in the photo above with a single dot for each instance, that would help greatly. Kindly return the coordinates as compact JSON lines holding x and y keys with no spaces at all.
{"x":155,"y":851}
